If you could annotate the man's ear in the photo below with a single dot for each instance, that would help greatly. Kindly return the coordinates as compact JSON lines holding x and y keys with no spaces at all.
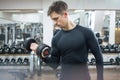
{"x":65,"y":14}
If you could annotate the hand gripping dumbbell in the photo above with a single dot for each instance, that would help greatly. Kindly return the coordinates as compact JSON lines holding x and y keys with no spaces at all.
{"x":43,"y":50}
{"x":27,"y":44}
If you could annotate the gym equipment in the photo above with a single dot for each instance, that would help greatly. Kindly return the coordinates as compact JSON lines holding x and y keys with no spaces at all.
{"x":1,"y":50}
{"x":27,"y":44}
{"x":93,"y":61}
{"x":106,"y":39}
{"x":6,"y":50}
{"x":19,"y":61}
{"x":117,"y":60}
{"x":13,"y":60}
{"x":42,"y":51}
{"x":13,"y":50}
{"x":97,"y":35}
{"x":2,"y":37}
{"x":6,"y":60}
{"x":100,"y":40}
{"x":1,"y":60}
{"x":26,"y":61}
{"x":107,"y":48}
{"x":20,"y":51}
{"x":102,"y":48}
{"x":113,"y":48}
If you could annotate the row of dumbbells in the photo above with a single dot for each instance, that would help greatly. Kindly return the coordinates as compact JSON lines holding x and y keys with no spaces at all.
{"x":104,"y":38}
{"x":109,"y":48}
{"x":115,"y":48}
{"x":13,"y":50}
{"x":14,"y":61}
{"x":111,"y":61}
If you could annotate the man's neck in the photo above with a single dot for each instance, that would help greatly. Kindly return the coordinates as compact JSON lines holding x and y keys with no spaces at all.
{"x":70,"y":26}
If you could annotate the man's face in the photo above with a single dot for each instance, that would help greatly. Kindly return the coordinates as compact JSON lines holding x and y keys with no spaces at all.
{"x":59,"y":20}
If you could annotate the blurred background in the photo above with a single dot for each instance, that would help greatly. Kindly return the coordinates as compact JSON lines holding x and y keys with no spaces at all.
{"x":24,"y":19}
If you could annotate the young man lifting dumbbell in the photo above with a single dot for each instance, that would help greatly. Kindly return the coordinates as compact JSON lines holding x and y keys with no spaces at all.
{"x":70,"y":46}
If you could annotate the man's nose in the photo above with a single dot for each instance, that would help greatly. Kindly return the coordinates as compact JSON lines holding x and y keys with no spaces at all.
{"x":56,"y":23}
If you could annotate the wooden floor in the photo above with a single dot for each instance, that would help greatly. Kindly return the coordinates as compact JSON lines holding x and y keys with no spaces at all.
{"x":110,"y":73}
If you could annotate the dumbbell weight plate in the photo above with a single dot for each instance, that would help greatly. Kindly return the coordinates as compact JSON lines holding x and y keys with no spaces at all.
{"x":43,"y":50}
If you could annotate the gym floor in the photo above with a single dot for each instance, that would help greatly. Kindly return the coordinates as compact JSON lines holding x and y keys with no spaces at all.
{"x":110,"y":73}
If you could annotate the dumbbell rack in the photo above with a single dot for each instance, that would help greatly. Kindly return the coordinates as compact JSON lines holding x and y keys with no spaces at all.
{"x":108,"y":59}
{"x":20,"y":65}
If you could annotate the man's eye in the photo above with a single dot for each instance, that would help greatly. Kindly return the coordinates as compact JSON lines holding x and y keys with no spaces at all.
{"x":55,"y":19}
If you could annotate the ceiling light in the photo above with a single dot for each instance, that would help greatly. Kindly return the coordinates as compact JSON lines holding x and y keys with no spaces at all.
{"x":79,"y":10}
{"x":40,"y":11}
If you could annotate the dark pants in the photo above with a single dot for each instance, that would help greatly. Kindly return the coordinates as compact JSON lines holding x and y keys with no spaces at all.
{"x":75,"y":72}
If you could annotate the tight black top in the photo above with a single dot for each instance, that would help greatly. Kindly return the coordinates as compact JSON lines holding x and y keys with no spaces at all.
{"x":70,"y":49}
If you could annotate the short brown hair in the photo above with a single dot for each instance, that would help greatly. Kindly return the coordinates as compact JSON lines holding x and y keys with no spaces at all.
{"x":58,"y":7}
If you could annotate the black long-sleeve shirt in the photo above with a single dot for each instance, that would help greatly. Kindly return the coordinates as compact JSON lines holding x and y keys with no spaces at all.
{"x":70,"y":49}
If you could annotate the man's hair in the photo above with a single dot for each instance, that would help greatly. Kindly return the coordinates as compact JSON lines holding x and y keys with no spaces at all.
{"x":58,"y":7}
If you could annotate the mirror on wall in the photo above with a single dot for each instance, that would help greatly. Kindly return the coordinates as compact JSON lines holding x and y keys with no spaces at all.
{"x":100,"y":21}
{"x":103,"y":22}
{"x":16,"y":26}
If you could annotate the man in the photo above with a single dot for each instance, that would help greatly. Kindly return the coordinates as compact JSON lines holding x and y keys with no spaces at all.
{"x":70,"y":46}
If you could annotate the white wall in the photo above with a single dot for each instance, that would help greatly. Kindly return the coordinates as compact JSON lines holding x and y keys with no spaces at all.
{"x":94,"y":4}
{"x":5,"y":18}
{"x":20,"y":4}
{"x":29,"y":17}
{"x":81,"y":4}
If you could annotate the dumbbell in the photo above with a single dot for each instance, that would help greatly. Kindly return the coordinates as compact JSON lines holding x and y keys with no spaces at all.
{"x":113,"y":49}
{"x":100,"y":40}
{"x":107,"y":48}
{"x":112,"y":61}
{"x":19,"y":60}
{"x":26,"y":61}
{"x":1,"y":60}
{"x":20,"y":51}
{"x":117,"y":60}
{"x":43,"y":50}
{"x":102,"y":48}
{"x":13,"y":50}
{"x":6,"y":50}
{"x":13,"y":60}
{"x":7,"y":60}
{"x":93,"y":61}
{"x":1,"y":51}
{"x":97,"y":35}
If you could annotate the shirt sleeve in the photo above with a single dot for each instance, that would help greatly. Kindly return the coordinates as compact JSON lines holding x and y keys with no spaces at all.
{"x":54,"y":58}
{"x":94,"y":47}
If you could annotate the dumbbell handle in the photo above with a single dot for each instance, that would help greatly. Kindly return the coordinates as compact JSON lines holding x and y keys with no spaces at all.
{"x":45,"y":52}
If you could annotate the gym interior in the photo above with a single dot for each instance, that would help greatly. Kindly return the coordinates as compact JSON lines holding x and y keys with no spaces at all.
{"x":24,"y":19}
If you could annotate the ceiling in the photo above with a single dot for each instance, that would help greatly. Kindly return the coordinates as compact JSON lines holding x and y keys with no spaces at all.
{"x":19,"y":10}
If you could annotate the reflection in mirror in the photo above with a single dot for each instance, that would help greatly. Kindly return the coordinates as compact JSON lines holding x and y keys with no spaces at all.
{"x":104,"y":22}
{"x":18,"y":25}
{"x":100,"y":21}
{"x":117,"y":29}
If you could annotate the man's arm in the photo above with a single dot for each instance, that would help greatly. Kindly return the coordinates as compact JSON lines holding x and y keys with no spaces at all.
{"x":95,"y":49}
{"x":54,"y":58}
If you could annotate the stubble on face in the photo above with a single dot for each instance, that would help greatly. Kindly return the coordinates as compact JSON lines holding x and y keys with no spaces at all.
{"x":59,"y":20}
